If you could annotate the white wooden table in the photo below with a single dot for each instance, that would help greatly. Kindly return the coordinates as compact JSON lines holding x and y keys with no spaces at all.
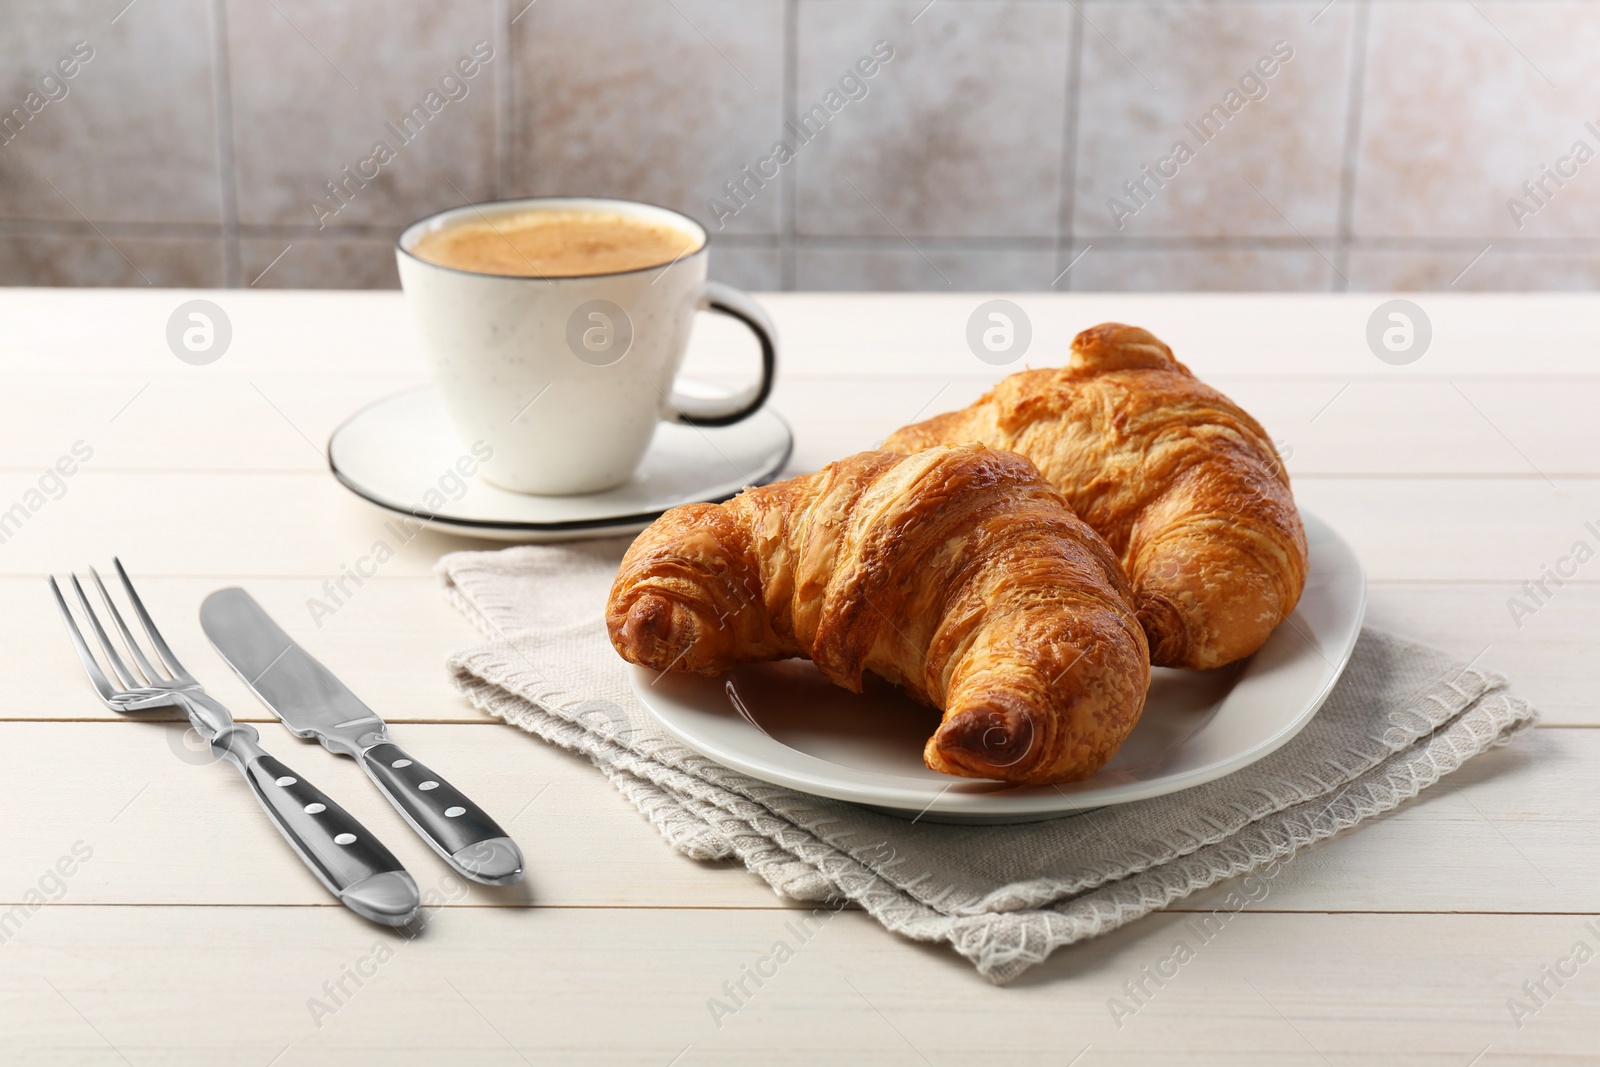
{"x":190,"y":936}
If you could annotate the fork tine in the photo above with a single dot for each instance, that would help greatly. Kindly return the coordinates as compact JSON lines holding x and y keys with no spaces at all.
{"x":178,"y":673}
{"x":97,"y":677}
{"x":150,"y":673}
{"x":117,"y":666}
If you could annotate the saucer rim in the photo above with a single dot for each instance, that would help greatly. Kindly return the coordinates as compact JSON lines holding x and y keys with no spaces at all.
{"x":766,"y":477}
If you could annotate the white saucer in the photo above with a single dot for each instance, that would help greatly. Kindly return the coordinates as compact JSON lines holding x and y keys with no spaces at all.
{"x":394,"y":452}
{"x":792,"y":728}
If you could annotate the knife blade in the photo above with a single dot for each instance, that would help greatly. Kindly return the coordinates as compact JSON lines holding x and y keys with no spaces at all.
{"x":308,"y":699}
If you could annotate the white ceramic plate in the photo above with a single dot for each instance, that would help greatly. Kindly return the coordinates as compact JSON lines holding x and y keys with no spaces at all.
{"x":394,"y":452}
{"x":791,"y":727}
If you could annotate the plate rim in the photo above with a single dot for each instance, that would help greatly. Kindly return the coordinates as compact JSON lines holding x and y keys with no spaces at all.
{"x":980,"y":808}
{"x":624,"y":520}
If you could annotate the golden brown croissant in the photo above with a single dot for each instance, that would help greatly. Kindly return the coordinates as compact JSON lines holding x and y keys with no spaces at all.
{"x":958,"y":573}
{"x":1186,"y":487}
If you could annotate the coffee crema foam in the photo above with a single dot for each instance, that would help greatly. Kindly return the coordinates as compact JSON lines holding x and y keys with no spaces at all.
{"x":555,"y":244}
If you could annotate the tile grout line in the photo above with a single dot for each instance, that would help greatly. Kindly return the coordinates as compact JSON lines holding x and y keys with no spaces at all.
{"x":1067,"y":198}
{"x":790,"y":177}
{"x":1562,"y":246}
{"x":1355,"y":98}
{"x":505,"y":102}
{"x":1435,"y":244}
{"x":222,"y":102}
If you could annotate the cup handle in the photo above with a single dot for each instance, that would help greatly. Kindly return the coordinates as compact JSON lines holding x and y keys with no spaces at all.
{"x":725,"y":411}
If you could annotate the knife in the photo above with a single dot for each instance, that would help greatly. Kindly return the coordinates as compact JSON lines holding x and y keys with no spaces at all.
{"x":311,"y":702}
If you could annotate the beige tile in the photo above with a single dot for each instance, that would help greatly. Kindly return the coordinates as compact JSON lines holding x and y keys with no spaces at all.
{"x":180,"y":263}
{"x":896,"y":267}
{"x":747,"y":267}
{"x":650,"y":100}
{"x":1201,"y":270}
{"x":1458,"y":114}
{"x":1151,"y":70}
{"x":134,"y":137}
{"x":960,"y":134}
{"x":1460,"y":271}
{"x":316,"y":87}
{"x":323,"y":262}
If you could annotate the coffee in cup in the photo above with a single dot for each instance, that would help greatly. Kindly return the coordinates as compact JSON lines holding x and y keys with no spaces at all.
{"x":555,"y":244}
{"x":556,"y":327}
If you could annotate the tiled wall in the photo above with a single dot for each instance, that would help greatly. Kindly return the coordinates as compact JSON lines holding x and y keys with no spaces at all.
{"x":1378,"y":148}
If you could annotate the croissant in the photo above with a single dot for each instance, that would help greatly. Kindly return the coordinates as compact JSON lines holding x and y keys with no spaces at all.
{"x":957,"y":573}
{"x":1187,"y":488}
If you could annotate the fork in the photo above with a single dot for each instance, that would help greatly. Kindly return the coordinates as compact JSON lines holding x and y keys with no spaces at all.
{"x":344,"y":855}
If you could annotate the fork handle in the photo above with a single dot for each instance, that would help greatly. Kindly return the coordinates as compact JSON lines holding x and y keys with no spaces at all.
{"x":344,"y":855}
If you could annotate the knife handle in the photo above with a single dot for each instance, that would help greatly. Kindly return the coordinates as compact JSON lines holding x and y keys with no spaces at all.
{"x":458,"y":829}
{"x":343,"y":854}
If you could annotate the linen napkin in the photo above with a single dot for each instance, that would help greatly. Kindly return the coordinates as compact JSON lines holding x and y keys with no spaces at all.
{"x":1402,"y":716}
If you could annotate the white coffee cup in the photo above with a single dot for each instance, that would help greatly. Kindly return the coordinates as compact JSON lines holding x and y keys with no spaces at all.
{"x":567,"y":378}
